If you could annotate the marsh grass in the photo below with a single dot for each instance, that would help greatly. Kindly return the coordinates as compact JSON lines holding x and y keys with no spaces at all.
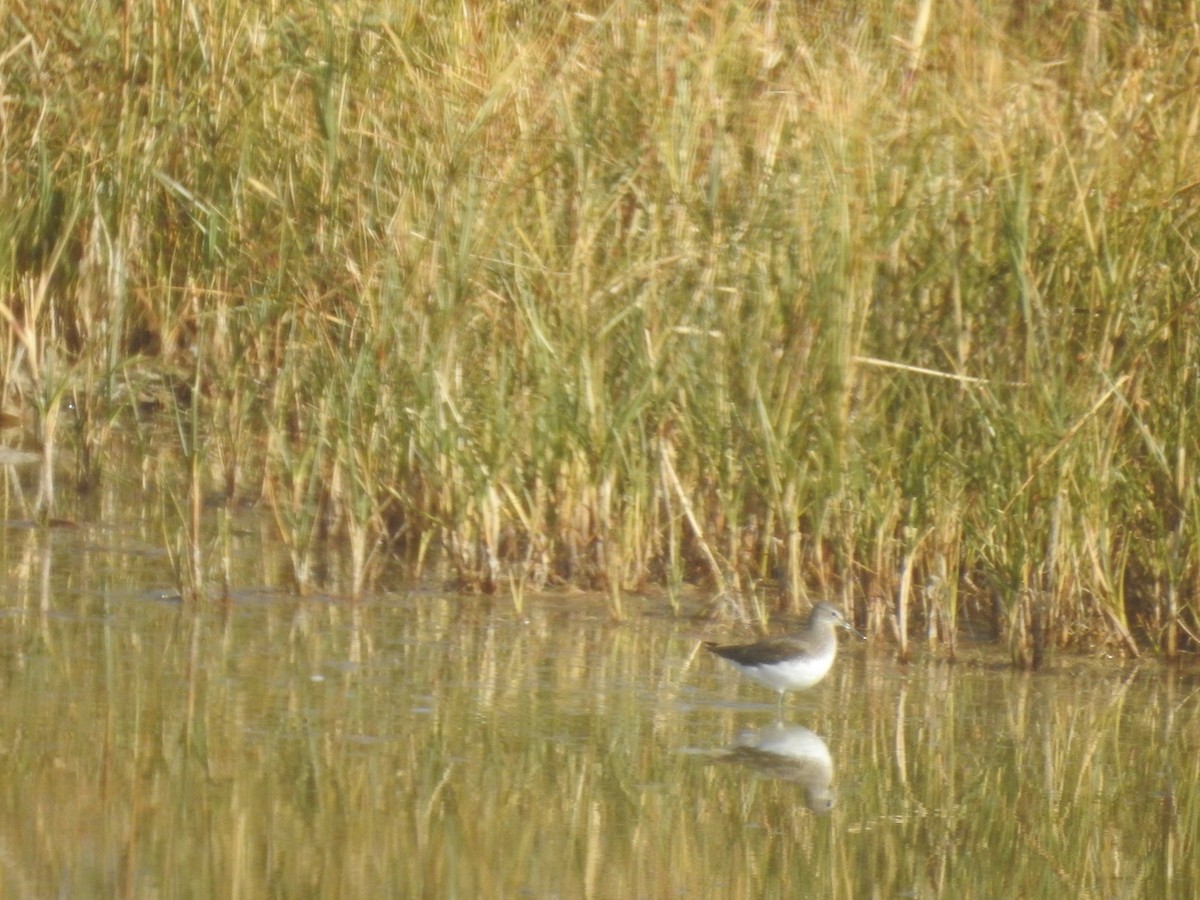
{"x":888,"y":302}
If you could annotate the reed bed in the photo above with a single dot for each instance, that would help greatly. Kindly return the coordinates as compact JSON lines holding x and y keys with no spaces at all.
{"x":877,"y":300}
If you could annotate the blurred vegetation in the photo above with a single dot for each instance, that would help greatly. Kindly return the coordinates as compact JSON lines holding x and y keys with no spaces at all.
{"x":885,"y":301}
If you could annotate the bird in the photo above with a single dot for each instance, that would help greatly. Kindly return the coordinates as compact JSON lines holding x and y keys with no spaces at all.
{"x":792,"y":663}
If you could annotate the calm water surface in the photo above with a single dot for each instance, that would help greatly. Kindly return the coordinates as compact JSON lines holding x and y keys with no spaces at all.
{"x":424,"y":745}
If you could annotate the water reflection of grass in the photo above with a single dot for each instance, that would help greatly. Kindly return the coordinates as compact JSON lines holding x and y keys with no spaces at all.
{"x":450,"y":748}
{"x":732,"y":293}
{"x":1067,"y":782}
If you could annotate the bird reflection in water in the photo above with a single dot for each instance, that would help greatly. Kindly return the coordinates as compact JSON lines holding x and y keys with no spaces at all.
{"x":790,"y":753}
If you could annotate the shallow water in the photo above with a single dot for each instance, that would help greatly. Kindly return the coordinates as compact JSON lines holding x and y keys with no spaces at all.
{"x":420,"y":744}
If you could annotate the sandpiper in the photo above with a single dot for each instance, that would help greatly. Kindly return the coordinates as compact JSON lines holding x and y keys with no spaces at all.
{"x":792,"y":663}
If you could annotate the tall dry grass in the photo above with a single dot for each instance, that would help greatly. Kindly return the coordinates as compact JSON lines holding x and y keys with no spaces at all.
{"x":888,"y":301}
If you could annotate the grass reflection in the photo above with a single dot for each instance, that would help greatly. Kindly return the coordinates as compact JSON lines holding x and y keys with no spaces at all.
{"x":431,"y":746}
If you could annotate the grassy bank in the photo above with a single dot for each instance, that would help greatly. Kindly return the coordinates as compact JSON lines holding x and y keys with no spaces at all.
{"x":892,"y":302}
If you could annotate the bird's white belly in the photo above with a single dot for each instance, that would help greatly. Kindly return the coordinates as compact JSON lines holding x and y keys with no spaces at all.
{"x":789,"y":675}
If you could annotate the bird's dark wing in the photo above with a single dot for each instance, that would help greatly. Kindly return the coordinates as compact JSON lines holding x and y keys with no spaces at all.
{"x":772,"y":650}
